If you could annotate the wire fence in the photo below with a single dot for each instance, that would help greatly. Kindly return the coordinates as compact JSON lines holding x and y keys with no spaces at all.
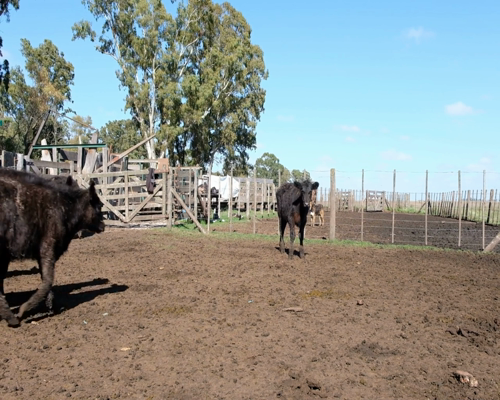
{"x":462,"y":218}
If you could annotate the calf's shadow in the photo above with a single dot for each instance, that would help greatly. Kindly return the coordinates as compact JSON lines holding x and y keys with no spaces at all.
{"x":64,"y":299}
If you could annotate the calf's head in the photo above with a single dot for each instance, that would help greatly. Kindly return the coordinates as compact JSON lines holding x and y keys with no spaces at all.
{"x":92,"y":214}
{"x":306,"y":187}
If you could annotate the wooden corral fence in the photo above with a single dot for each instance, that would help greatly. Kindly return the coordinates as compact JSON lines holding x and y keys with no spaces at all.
{"x":139,"y":191}
{"x":257,"y":194}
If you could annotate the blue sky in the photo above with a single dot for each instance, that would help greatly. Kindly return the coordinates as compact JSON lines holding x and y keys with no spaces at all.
{"x":384,"y":85}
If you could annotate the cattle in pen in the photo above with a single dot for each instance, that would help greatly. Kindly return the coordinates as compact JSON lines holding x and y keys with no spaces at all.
{"x":293,"y":208}
{"x":38,"y":220}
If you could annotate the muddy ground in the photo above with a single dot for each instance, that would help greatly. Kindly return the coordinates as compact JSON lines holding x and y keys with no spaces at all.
{"x":152,"y":314}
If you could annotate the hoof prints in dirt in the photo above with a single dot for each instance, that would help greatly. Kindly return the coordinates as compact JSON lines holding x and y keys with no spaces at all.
{"x":299,"y":387}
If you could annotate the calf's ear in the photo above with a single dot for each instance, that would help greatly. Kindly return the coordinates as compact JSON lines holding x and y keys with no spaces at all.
{"x":315,"y":185}
{"x":298,"y":185}
{"x":69,"y":180}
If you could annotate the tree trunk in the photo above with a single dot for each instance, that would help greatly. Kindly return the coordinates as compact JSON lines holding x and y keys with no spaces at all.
{"x":150,"y":148}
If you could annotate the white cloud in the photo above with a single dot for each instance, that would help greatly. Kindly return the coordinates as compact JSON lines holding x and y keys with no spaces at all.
{"x":394,"y":155}
{"x":418,"y":34}
{"x":404,"y":137}
{"x":350,"y":139}
{"x":384,"y":130}
{"x":350,"y":128}
{"x":460,"y":109}
{"x":285,"y":118}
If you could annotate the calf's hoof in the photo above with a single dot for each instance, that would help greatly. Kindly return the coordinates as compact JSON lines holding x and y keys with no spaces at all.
{"x":13,"y":321}
{"x":290,"y":255}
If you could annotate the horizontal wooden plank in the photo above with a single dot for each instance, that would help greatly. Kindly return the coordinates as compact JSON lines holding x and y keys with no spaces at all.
{"x":50,"y":164}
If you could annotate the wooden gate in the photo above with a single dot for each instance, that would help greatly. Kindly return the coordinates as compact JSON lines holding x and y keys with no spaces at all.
{"x":375,"y":200}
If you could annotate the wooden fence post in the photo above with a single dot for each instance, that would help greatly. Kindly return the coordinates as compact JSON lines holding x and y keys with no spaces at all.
{"x":490,"y":206}
{"x":190,"y":188}
{"x":426,"y":202}
{"x":332,"y":204}
{"x":248,"y":197}
{"x":459,"y":210}
{"x":125,"y":177}
{"x":482,"y":206}
{"x":362,"y":197}
{"x":218,"y":201}
{"x":169,"y":197}
{"x":268,"y":193}
{"x":393,"y":205}
{"x":262,"y":198}
{"x":209,"y":199}
{"x":231,"y":202}
{"x":195,"y":194}
{"x":467,"y":206}
{"x":254,"y":199}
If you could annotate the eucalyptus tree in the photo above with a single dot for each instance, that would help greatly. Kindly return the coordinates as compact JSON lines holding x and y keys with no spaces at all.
{"x":269,"y":166}
{"x":27,"y":104}
{"x":221,"y":96}
{"x":193,"y":79}
{"x":134,"y":34}
{"x":120,"y":135}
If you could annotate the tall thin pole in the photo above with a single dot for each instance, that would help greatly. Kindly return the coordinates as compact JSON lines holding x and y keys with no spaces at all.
{"x":362,"y":201}
{"x":459,"y":210}
{"x":231,"y":202}
{"x":483,"y":204}
{"x":254,"y":199}
{"x":218,"y":200}
{"x":393,"y":203}
{"x":195,"y":194}
{"x":332,"y":204}
{"x":209,"y":199}
{"x":169,"y":196}
{"x":426,"y":202}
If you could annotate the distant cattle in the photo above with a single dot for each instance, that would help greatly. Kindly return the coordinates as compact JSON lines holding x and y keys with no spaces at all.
{"x":293,"y":207}
{"x":38,"y":220}
{"x":316,"y":209}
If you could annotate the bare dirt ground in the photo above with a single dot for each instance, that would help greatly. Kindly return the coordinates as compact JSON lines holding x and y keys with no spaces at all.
{"x":150,"y":314}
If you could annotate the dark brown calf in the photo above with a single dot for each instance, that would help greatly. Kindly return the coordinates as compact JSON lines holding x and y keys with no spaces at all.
{"x":38,"y":220}
{"x":293,"y":207}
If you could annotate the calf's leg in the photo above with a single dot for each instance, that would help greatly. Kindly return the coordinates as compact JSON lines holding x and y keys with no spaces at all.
{"x":282,"y":233}
{"x":291,"y":222}
{"x":301,"y":239}
{"x":5,"y":312}
{"x":49,"y":301}
{"x":47,"y":271}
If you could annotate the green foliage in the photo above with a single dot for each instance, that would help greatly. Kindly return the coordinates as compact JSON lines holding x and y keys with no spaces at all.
{"x":240,"y":165}
{"x":121,"y":135}
{"x":193,"y":80}
{"x":223,"y":96}
{"x":80,"y":130}
{"x":135,"y":35}
{"x":269,"y":166}
{"x":297,"y":175}
{"x":27,"y":105}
